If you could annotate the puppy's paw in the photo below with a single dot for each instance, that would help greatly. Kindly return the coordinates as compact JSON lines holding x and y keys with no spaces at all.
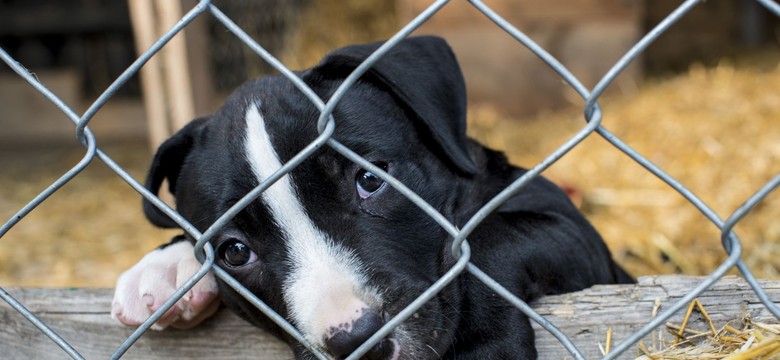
{"x":148,"y":284}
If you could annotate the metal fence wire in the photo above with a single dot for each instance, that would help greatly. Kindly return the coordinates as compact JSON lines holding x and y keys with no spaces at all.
{"x":593,"y":116}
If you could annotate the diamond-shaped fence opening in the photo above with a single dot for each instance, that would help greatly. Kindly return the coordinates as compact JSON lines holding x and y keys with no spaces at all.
{"x":591,"y":127}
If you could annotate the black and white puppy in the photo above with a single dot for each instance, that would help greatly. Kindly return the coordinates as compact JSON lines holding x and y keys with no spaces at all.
{"x":338,"y":252}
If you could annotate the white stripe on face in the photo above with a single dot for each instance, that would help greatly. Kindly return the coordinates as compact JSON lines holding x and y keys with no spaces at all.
{"x":326,"y":285}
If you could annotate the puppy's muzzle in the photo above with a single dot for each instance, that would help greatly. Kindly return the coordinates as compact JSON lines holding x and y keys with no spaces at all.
{"x":343,"y":342}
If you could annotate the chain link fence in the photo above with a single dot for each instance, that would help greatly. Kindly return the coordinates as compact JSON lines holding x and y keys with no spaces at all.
{"x":203,"y":250}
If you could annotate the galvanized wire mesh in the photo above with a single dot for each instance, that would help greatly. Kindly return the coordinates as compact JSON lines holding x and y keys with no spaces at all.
{"x":592,"y":113}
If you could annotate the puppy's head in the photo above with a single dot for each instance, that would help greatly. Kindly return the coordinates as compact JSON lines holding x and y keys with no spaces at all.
{"x":331,"y":246}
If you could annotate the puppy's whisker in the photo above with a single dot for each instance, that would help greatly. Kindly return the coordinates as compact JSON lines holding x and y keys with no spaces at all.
{"x":434,"y":351}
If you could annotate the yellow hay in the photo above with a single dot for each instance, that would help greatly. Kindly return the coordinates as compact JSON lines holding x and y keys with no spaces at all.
{"x":751,"y":341}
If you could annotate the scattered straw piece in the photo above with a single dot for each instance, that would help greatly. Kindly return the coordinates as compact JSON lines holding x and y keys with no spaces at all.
{"x":750,"y":340}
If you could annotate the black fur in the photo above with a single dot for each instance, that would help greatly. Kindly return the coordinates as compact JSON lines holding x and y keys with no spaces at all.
{"x":408,"y":111}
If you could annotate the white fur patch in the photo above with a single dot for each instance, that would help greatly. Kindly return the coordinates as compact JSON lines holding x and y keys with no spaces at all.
{"x":326,"y":287}
{"x":143,"y":288}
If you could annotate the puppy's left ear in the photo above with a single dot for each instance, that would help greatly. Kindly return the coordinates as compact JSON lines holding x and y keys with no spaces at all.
{"x":167,"y":164}
{"x":424,"y":75}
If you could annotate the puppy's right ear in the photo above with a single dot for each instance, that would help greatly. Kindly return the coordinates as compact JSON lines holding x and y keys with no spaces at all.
{"x":423,"y":74}
{"x":167,"y":164}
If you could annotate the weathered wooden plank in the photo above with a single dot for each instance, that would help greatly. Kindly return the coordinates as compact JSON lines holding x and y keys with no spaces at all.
{"x":587,"y":315}
{"x":81,"y":316}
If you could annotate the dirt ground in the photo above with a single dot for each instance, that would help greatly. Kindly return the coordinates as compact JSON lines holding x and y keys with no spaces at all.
{"x":84,"y":234}
{"x":713,"y":129}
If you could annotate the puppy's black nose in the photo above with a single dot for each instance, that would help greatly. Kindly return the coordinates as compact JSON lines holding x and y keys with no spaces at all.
{"x":344,"y":341}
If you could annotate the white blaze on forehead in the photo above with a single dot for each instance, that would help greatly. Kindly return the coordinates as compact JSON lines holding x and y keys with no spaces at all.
{"x":325,"y":286}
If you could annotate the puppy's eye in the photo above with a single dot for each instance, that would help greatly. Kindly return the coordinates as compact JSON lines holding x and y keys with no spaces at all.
{"x":368,"y":183}
{"x":237,"y":254}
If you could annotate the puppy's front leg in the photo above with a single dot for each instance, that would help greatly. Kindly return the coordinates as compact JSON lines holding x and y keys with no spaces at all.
{"x":148,"y":284}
